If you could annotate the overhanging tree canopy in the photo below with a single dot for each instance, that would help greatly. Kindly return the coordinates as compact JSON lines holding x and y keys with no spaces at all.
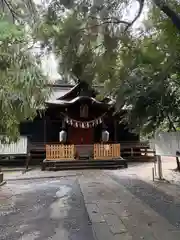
{"x":93,"y":42}
{"x":22,"y":84}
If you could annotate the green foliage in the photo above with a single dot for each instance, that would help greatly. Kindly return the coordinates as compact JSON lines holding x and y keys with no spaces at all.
{"x":141,"y":72}
{"x":22,"y":84}
{"x":149,"y":77}
{"x":10,"y":31}
{"x":82,"y":34}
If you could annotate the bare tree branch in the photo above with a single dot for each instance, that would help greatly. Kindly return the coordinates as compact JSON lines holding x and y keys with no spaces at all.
{"x":115,"y":20}
{"x":10,"y":8}
{"x":29,"y":5}
{"x":141,"y":6}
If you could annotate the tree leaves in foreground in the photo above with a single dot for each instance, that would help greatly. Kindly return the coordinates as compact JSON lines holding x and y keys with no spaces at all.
{"x":22,"y":83}
{"x":141,"y":72}
{"x":150,"y":84}
{"x":81,"y":34}
{"x":22,"y":11}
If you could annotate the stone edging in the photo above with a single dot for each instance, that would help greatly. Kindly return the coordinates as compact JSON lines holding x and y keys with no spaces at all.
{"x":2,"y":183}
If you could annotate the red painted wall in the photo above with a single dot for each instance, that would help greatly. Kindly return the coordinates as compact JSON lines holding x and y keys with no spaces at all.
{"x":80,"y":135}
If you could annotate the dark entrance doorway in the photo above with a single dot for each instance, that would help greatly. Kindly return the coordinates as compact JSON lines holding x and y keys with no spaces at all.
{"x":79,"y":136}
{"x":52,"y":131}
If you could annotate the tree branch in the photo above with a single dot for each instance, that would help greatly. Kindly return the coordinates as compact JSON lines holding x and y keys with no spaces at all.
{"x":170,"y":13}
{"x":141,"y":6}
{"x":10,"y":8}
{"x":15,"y":15}
{"x":115,"y":20}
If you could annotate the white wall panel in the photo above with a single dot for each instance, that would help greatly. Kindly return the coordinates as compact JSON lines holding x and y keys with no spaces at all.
{"x":17,"y":148}
{"x":166,"y":143}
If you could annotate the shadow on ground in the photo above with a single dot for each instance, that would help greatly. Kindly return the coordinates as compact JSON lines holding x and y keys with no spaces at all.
{"x":159,"y":201}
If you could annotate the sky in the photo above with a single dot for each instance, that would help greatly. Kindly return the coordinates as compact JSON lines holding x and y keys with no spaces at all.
{"x":49,"y":63}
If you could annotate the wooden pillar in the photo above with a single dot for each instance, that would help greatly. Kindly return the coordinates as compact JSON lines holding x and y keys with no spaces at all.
{"x":28,"y":154}
{"x":115,"y":131}
{"x":132,"y":153}
{"x":159,"y":162}
{"x":45,"y":130}
{"x":63,"y":127}
{"x":103,"y":125}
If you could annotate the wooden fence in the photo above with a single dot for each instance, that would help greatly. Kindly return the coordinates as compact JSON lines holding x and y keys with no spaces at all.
{"x":67,"y":152}
{"x":60,"y":152}
{"x":106,"y":151}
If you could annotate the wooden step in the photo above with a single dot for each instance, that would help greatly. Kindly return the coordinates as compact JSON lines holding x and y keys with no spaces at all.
{"x":37,"y":157}
{"x":83,"y":164}
{"x":61,"y":168}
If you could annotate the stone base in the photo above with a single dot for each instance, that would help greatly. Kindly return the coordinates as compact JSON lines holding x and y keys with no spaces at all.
{"x":2,"y":182}
{"x":1,"y":177}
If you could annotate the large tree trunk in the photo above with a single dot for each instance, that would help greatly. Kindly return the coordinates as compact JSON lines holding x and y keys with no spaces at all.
{"x":175,"y":18}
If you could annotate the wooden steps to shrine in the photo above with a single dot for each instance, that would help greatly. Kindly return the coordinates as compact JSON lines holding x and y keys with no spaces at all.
{"x":84,"y":164}
{"x":37,"y":157}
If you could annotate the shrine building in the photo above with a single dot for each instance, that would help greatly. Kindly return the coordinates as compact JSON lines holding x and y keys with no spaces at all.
{"x":74,"y":117}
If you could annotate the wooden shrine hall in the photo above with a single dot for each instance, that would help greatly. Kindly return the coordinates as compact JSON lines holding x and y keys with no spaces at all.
{"x":77,"y":127}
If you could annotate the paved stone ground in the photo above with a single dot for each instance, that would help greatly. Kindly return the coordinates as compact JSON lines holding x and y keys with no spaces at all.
{"x":87,"y":205}
{"x":144,"y":171}
{"x":51,"y":209}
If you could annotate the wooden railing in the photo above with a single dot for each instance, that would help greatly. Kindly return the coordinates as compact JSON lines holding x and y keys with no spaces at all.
{"x":106,"y":151}
{"x":55,"y":152}
{"x":60,"y":152}
{"x":130,"y":144}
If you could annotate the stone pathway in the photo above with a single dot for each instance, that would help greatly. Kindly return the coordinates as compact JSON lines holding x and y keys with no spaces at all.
{"x":45,"y":209}
{"x":87,"y":205}
{"x":121,"y":214}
